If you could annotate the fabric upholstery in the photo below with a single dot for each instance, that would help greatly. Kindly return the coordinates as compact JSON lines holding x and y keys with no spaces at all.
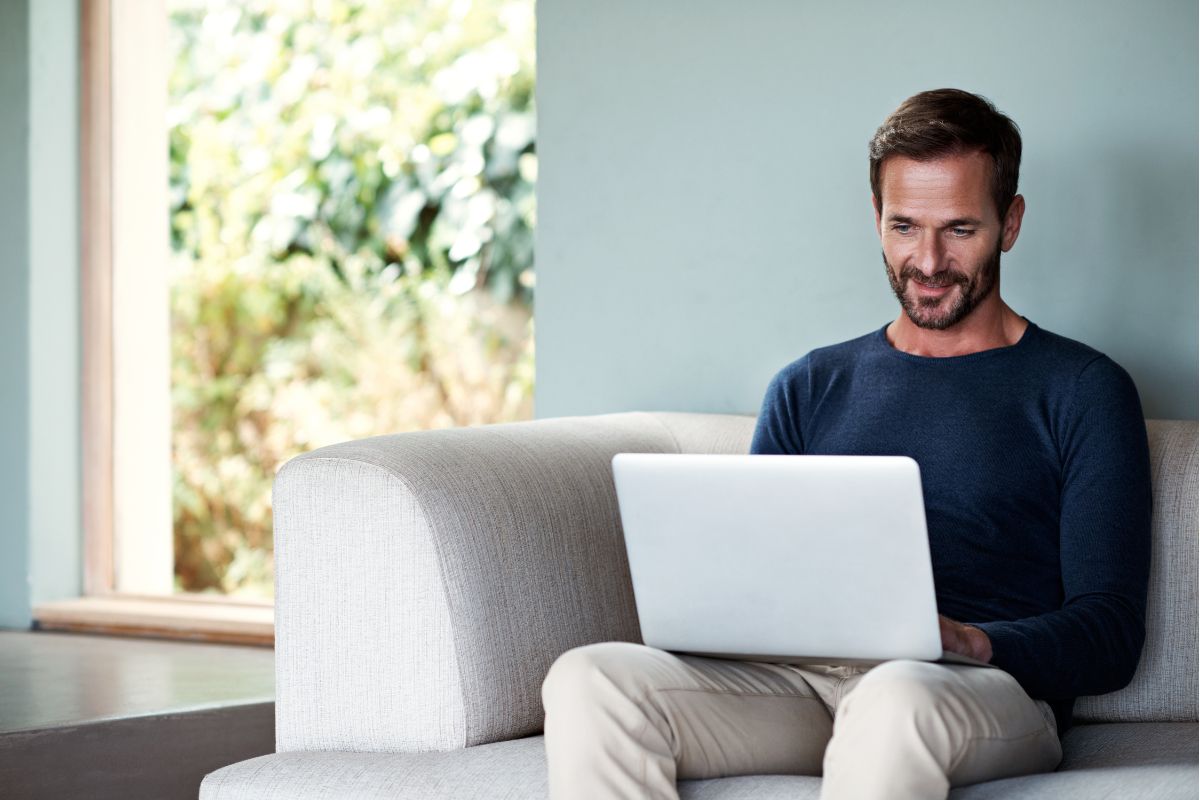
{"x":1164,"y":687}
{"x":363,"y":642}
{"x":708,"y":433}
{"x":512,"y":770}
{"x":1122,"y":762}
{"x":426,"y":581}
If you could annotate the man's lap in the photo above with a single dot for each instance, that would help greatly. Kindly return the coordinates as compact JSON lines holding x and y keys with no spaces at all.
{"x":743,"y":717}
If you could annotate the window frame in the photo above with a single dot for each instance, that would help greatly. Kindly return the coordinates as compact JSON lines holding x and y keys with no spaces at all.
{"x":128,"y":569}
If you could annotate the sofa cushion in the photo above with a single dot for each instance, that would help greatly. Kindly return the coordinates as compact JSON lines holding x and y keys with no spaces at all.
{"x":1130,"y":760}
{"x":708,"y":433}
{"x":512,"y":770}
{"x":1124,"y":761}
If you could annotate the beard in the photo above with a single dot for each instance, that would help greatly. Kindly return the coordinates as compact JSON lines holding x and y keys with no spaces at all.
{"x":928,"y":312}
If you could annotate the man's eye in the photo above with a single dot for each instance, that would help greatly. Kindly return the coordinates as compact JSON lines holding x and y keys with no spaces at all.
{"x":901,"y":227}
{"x":961,"y":233}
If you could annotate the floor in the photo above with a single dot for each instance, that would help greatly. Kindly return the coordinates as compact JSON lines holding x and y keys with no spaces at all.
{"x":97,"y":717}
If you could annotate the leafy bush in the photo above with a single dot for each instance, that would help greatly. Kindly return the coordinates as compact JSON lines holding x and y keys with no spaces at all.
{"x":352,"y":216}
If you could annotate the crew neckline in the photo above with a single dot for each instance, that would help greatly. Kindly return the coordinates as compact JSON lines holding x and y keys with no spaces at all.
{"x":1020,"y":344}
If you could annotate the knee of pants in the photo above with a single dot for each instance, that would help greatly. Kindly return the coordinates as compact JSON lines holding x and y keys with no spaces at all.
{"x":577,"y":673}
{"x":899,"y":692}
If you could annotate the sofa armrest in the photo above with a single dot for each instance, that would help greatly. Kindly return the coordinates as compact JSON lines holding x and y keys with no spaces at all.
{"x":426,"y":581}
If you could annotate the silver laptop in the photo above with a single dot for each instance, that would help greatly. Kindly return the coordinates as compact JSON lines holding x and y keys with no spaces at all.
{"x":795,"y":559}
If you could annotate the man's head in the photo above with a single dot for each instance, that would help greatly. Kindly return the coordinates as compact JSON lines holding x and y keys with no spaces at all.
{"x":944,"y":122}
{"x":944,"y":170}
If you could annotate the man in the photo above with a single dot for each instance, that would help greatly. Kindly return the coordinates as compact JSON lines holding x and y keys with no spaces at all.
{"x":1035,"y":468}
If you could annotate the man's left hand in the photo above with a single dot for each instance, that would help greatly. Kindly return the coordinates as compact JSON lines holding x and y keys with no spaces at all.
{"x":965,"y":640}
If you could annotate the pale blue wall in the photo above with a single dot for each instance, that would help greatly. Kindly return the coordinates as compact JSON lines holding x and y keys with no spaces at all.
{"x":704,"y":213}
{"x":14,"y":313}
{"x":54,"y":523}
{"x":40,"y":540}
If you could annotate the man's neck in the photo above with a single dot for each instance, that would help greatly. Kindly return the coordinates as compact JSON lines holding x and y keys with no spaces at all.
{"x":992,"y":324}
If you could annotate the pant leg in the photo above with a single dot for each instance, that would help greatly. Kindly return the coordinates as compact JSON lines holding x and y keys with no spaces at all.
{"x":911,"y":729}
{"x":627,"y":721}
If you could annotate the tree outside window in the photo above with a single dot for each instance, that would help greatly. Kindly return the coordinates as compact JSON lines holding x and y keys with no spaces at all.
{"x":352,"y":214}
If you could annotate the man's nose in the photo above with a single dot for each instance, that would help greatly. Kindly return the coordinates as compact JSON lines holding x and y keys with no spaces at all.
{"x":930,"y":255}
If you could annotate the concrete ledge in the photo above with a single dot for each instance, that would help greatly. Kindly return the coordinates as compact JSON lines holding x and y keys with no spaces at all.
{"x":116,"y":717}
{"x":157,"y":756}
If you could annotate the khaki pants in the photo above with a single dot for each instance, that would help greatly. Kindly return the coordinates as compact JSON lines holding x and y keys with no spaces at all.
{"x":627,"y":721}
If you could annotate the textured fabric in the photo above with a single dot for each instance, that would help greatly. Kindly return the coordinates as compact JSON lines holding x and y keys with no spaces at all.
{"x":708,"y":433}
{"x":1164,"y":687}
{"x":1101,"y":762}
{"x":1036,"y":478}
{"x":426,"y":581}
{"x":628,"y":721}
{"x":512,"y":770}
{"x":377,"y":605}
{"x":1127,"y":761}
{"x":753,"y":787}
{"x":364,"y":652}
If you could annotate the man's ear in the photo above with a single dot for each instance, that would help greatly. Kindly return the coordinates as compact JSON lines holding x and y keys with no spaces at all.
{"x":1012,"y":223}
{"x":875,"y":205}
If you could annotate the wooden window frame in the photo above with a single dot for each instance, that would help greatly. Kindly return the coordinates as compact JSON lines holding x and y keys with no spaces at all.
{"x":95,"y":26}
{"x":125,"y":356}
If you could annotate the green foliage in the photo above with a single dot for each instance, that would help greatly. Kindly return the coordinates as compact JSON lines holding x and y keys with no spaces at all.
{"x":352,"y":191}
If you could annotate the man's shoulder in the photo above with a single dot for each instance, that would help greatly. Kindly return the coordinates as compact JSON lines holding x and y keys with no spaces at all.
{"x":1055,"y":345}
{"x":1085,"y":379}
{"x":1074,"y":358}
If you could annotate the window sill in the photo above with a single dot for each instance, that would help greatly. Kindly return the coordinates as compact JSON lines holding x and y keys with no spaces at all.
{"x":194,"y":618}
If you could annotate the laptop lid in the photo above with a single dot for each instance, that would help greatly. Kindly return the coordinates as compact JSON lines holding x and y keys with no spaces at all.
{"x":784,"y":558}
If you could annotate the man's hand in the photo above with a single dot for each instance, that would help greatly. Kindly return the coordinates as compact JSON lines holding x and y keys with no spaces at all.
{"x":965,"y":640}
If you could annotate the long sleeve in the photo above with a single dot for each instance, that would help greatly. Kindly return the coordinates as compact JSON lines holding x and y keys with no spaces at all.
{"x":1092,"y":644}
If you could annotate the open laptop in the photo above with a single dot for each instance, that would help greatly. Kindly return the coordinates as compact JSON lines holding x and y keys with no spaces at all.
{"x":792,"y":559}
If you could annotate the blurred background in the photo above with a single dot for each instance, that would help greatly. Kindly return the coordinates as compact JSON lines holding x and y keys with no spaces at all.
{"x":352,"y":215}
{"x":348,"y":220}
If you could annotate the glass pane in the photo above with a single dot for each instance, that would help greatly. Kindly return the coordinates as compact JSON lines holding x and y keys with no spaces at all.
{"x":352,"y":213}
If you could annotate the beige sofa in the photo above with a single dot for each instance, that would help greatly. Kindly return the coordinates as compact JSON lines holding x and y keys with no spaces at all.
{"x":426,"y":581}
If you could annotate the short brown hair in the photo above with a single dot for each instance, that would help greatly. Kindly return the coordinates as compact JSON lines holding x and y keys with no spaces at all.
{"x":944,"y":122}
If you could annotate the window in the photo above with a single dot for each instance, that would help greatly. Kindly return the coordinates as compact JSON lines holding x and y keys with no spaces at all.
{"x":335,"y":242}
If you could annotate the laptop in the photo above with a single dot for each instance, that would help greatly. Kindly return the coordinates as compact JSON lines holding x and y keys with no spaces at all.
{"x":789,"y":559}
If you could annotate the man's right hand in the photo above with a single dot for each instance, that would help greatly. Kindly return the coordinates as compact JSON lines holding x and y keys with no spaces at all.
{"x":965,"y":640}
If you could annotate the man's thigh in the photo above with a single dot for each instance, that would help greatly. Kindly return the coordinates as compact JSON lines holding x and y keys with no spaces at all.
{"x":721,"y":717}
{"x":993,"y":729}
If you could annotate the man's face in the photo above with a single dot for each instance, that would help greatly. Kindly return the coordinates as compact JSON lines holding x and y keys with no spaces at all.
{"x":941,"y":236}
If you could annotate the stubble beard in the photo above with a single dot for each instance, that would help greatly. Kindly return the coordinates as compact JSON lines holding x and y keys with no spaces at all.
{"x":924,"y":311}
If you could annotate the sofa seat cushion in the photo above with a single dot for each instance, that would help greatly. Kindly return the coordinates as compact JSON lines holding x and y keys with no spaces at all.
{"x":511,"y":770}
{"x":1119,"y":760}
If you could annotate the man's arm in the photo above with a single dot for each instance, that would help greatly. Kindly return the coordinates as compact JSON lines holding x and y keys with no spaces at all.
{"x":1092,"y":644}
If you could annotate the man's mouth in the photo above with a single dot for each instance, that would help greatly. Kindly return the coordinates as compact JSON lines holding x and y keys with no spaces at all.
{"x":933,"y":289}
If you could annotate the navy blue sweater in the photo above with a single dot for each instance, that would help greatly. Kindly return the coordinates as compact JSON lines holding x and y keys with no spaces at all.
{"x":1036,"y":476}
